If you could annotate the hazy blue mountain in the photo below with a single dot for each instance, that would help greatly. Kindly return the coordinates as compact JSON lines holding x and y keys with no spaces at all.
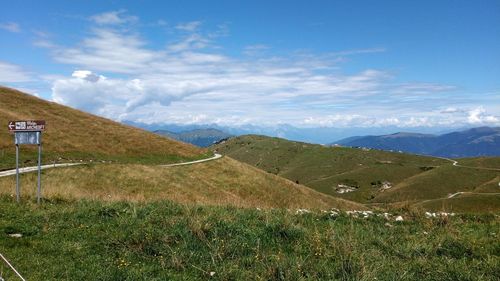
{"x":482,"y":141}
{"x":319,"y":135}
{"x":198,"y":137}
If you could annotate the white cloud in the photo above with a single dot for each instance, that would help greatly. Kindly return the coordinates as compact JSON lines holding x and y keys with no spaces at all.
{"x":87,"y":75}
{"x":190,"y":42}
{"x":108,"y":50}
{"x":113,"y":18}
{"x":189,"y":26}
{"x":479,"y":116}
{"x":113,"y":98}
{"x":451,"y":110}
{"x":10,"y":26}
{"x":11,"y":73}
{"x":190,"y":81}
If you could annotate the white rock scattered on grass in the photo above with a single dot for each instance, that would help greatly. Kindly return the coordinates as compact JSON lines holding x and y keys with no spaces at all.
{"x":388,"y":224}
{"x":212,"y":273}
{"x":334,"y":212}
{"x":355,"y":214}
{"x":399,"y":218}
{"x":385,"y":215}
{"x":16,"y":235}
{"x":343,"y":188}
{"x":438,"y":214}
{"x":385,"y":185}
{"x":302,"y":211}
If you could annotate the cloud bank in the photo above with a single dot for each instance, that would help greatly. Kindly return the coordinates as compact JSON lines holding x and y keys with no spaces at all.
{"x":191,"y":79}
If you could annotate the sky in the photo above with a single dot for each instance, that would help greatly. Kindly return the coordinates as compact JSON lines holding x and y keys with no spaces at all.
{"x":340,"y":64}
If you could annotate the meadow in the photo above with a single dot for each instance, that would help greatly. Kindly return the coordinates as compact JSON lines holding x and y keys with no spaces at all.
{"x":82,"y":240}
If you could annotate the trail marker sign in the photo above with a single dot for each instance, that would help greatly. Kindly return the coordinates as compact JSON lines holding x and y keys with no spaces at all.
{"x":28,"y":132}
{"x":27,"y":126}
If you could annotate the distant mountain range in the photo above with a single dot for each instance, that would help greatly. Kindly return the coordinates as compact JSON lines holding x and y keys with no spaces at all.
{"x":198,"y":137}
{"x":458,"y":142}
{"x":318,"y":135}
{"x":482,"y":141}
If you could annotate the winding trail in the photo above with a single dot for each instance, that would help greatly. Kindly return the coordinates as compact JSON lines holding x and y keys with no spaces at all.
{"x":12,"y":172}
{"x":216,"y":156}
{"x":455,"y":163}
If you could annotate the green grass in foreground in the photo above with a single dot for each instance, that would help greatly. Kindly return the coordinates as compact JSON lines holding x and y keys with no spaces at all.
{"x":163,"y":241}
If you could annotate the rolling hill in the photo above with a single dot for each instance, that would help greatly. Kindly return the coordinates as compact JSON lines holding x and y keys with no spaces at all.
{"x":483,"y":141}
{"x":363,"y":175}
{"x":224,"y":182}
{"x":75,"y":135}
{"x":198,"y":137}
{"x":131,"y":171}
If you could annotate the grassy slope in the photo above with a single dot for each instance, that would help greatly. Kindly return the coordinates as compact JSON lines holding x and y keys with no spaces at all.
{"x":323,"y":168}
{"x":76,"y":135}
{"x":438,"y":183}
{"x":166,"y":241}
{"x":222,"y":182}
{"x":484,"y":162}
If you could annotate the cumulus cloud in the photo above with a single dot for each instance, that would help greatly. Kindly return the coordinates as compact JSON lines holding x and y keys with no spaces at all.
{"x":113,"y":98}
{"x":479,"y":116}
{"x":11,"y":27}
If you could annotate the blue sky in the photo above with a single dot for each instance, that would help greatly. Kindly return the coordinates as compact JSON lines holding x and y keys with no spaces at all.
{"x":404,"y":64}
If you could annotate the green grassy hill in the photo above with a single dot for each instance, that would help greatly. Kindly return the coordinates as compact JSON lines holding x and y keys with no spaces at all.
{"x":411,"y":177}
{"x":75,"y":135}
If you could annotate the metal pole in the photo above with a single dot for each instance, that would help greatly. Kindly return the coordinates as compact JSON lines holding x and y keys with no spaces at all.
{"x":18,"y":191}
{"x":39,"y":189}
{"x":11,"y":267}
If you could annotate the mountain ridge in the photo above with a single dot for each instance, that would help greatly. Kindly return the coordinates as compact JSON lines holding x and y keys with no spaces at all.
{"x":198,"y":137}
{"x":474,"y":142}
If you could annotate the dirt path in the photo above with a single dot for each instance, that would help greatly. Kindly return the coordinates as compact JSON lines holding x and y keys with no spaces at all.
{"x":12,"y":172}
{"x":455,"y":163}
{"x":216,"y":156}
{"x":35,"y":168}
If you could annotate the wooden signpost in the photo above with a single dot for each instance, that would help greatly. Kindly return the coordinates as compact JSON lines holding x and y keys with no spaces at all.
{"x":28,"y":132}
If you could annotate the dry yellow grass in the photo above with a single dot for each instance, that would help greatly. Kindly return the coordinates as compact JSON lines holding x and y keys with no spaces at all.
{"x":71,"y":130}
{"x":221,"y":182}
